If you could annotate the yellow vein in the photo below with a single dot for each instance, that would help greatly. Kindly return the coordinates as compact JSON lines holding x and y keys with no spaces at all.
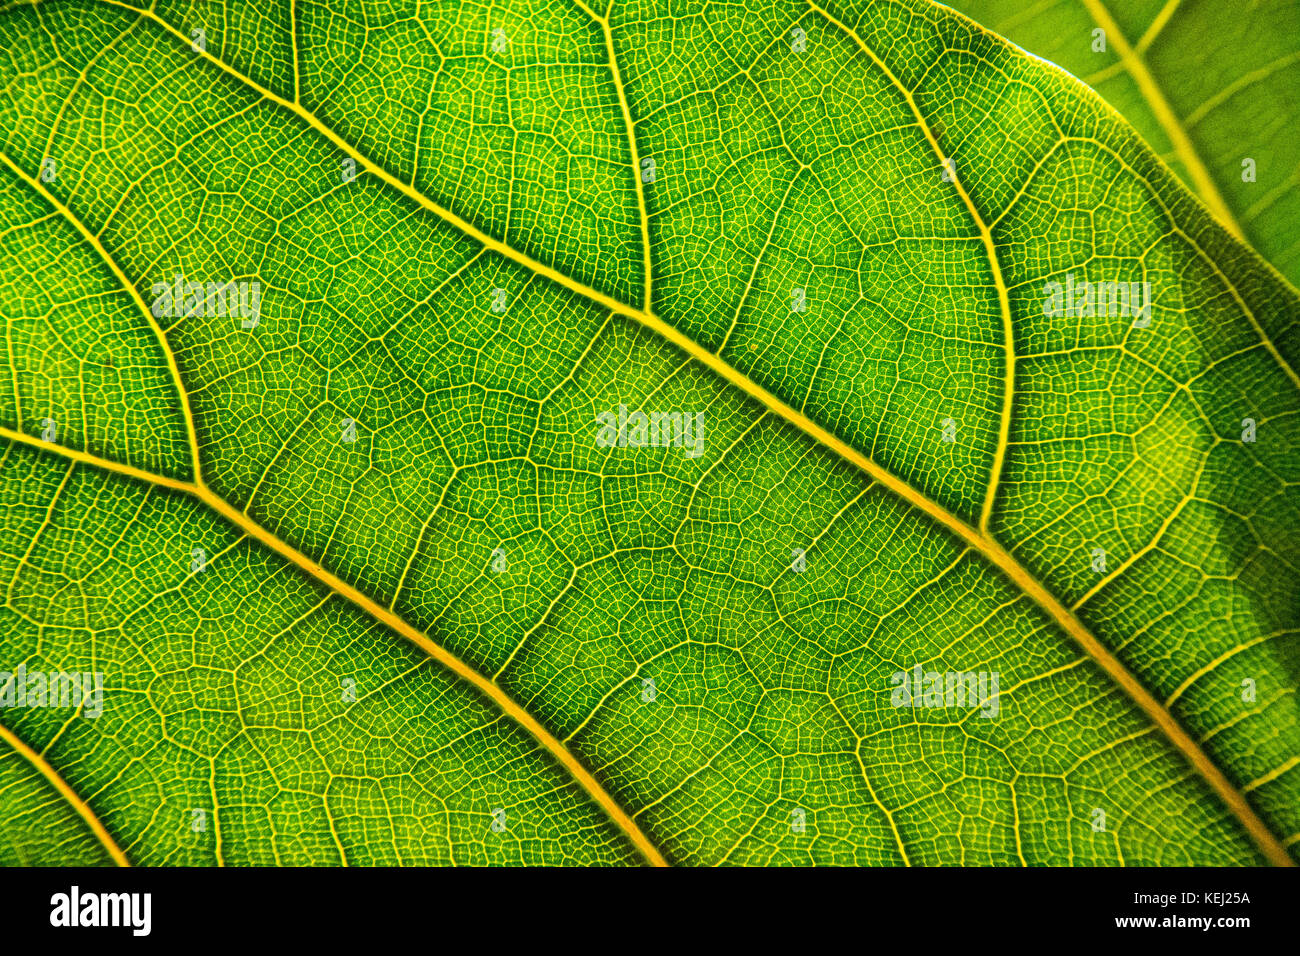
{"x":379,"y":613}
{"x":1204,"y":669}
{"x":1158,"y":24}
{"x":61,"y":785}
{"x":293,"y":38}
{"x":1164,"y":114}
{"x":631,"y":142}
{"x":130,"y":288}
{"x":990,"y":250}
{"x":1245,"y":81}
{"x":1272,"y":774}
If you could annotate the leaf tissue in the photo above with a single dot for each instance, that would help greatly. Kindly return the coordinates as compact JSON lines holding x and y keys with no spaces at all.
{"x":571,"y":432}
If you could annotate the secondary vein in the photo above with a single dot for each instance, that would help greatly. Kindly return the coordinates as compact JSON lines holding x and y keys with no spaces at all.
{"x":990,"y":251}
{"x":82,"y":808}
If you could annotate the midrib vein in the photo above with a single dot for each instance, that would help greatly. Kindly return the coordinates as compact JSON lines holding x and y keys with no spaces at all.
{"x":980,"y":540}
{"x":52,"y":776}
{"x":382,"y":614}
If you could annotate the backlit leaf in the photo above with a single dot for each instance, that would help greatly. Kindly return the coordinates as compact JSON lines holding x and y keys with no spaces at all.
{"x":363,"y":578}
{"x":1210,"y":87}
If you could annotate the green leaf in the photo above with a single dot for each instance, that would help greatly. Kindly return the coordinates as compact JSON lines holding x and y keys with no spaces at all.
{"x":1209,"y":87}
{"x":436,"y":618}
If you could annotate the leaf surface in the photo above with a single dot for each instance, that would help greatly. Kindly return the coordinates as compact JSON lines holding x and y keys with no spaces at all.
{"x":503,"y":712}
